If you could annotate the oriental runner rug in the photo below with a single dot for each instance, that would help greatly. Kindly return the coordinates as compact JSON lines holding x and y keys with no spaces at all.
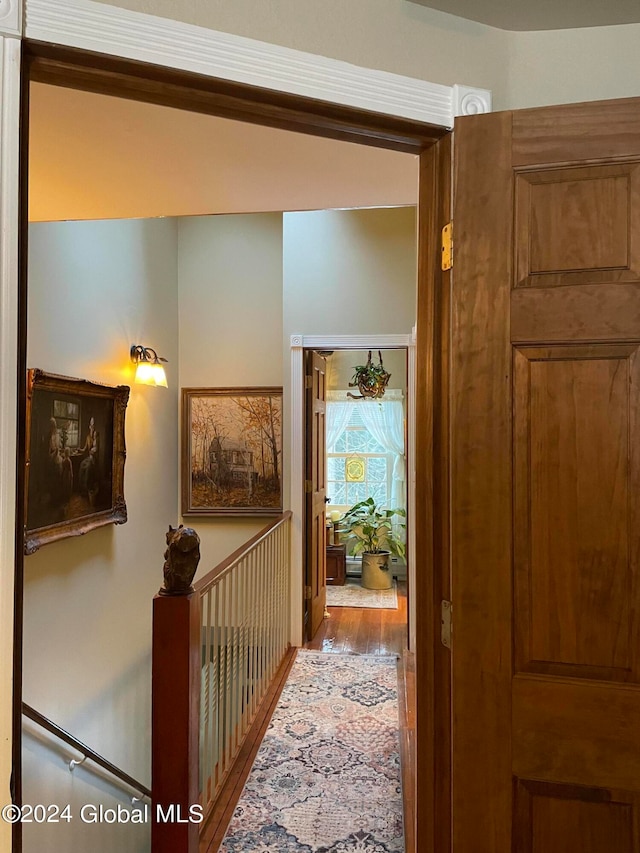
{"x":352,"y":594}
{"x":326,"y":778}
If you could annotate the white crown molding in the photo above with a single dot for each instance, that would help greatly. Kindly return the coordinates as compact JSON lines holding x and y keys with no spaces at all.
{"x":147,"y":38}
{"x":11,"y":18}
{"x":9,"y":141}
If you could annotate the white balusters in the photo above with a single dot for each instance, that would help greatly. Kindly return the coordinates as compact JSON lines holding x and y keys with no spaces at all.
{"x":245,"y":635}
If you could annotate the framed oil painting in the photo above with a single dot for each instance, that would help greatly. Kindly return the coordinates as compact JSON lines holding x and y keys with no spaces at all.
{"x":232,"y":451}
{"x":75,"y":457}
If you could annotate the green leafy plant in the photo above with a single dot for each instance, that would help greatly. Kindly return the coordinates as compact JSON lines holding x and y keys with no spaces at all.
{"x":371,"y":529}
{"x":371,"y":379}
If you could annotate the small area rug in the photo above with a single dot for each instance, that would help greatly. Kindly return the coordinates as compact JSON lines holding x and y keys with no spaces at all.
{"x":326,"y":778}
{"x":352,"y":594}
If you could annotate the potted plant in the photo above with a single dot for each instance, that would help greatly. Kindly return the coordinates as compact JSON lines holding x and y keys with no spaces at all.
{"x":371,"y":379}
{"x":371,"y":534}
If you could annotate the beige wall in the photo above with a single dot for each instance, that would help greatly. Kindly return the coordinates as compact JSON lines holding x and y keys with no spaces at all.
{"x":350,"y":271}
{"x":390,"y":35}
{"x":230,"y":310}
{"x":347,"y":272}
{"x":248,"y":282}
{"x":567,"y":66}
{"x":94,"y":289}
{"x":522,"y":69}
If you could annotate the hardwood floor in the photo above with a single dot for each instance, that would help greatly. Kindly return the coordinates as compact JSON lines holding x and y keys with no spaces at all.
{"x":356,"y":630}
{"x":353,"y":630}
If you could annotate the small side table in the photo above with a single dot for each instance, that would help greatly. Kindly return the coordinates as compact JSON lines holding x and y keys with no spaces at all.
{"x":336,"y":574}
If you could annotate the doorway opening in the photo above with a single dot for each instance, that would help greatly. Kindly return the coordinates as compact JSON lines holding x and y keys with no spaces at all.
{"x":367,"y":459}
{"x":420,"y":143}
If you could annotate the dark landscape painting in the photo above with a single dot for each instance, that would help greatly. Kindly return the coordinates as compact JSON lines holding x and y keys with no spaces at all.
{"x":232,"y":451}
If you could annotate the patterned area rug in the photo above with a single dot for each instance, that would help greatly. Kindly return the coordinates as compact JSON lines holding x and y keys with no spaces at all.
{"x":326,"y":778}
{"x":354,"y":595}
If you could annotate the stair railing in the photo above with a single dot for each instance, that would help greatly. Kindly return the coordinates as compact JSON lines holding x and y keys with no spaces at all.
{"x":86,"y":752}
{"x":216,"y":651}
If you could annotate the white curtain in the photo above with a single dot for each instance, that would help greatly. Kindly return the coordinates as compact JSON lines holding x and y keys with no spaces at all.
{"x":385,"y":421}
{"x":338,"y":414}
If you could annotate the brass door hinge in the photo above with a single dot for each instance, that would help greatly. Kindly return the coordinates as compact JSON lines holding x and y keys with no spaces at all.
{"x":447,"y":246}
{"x":308,"y":593}
{"x":308,"y":487}
{"x":446,"y":626}
{"x":308,"y":382}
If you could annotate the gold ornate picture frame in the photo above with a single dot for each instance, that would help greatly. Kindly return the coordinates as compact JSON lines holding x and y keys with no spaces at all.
{"x":75,"y":457}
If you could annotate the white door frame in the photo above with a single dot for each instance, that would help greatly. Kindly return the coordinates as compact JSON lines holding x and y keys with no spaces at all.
{"x":9,"y":272}
{"x":297,"y":464}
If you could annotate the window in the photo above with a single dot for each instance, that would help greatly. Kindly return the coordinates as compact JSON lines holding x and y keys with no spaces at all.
{"x":67,"y":416}
{"x":348,"y":483}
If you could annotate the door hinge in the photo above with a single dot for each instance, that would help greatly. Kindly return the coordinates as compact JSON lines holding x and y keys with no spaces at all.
{"x":308,"y":593}
{"x":308,"y":487}
{"x":308,"y":382}
{"x":446,"y":626}
{"x":447,"y":246}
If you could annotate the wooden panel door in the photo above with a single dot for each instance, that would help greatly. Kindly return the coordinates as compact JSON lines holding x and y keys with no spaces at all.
{"x":545,"y":482}
{"x":316,"y":490}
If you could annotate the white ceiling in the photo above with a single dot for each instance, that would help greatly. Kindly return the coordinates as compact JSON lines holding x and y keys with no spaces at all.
{"x":541,"y":14}
{"x":98,"y":157}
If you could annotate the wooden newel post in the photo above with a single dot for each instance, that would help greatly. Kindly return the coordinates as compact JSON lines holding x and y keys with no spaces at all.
{"x":175,"y":712}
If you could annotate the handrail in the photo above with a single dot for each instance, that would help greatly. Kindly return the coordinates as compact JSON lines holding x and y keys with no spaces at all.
{"x":205,"y":582}
{"x":69,"y":739}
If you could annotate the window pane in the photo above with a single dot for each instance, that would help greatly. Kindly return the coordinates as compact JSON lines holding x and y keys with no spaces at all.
{"x":341,"y":443}
{"x":356,"y":439}
{"x":356,"y":492}
{"x":335,"y":468}
{"x":378,"y":491}
{"x":371,"y":445}
{"x":336,"y":492}
{"x":377,"y":469}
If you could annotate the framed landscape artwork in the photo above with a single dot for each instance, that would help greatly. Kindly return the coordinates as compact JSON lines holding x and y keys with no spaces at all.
{"x":231,"y":451}
{"x":75,"y":457}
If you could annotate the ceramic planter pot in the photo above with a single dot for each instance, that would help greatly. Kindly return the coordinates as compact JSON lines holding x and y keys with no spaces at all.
{"x":376,"y":570}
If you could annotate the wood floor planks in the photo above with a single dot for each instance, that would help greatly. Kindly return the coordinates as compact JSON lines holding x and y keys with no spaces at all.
{"x":348,"y":630}
{"x":363,"y":631}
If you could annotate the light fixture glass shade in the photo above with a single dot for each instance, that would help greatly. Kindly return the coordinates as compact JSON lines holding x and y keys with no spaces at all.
{"x":151,"y":373}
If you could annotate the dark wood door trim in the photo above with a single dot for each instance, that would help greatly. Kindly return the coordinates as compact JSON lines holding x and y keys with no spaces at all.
{"x":432,"y":581}
{"x":100,"y":73}
{"x":125,"y":78}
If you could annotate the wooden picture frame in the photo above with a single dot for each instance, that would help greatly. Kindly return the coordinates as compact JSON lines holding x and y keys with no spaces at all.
{"x":232,"y":451}
{"x":75,"y":457}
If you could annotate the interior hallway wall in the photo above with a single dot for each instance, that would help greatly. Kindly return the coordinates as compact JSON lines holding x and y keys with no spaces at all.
{"x":389,"y":35}
{"x":522,"y":69}
{"x":230,"y":316}
{"x":569,"y":66}
{"x":348,"y":272}
{"x":95,"y":288}
{"x":248,"y":282}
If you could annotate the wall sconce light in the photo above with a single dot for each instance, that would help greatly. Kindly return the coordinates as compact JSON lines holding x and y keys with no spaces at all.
{"x":149,"y":370}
